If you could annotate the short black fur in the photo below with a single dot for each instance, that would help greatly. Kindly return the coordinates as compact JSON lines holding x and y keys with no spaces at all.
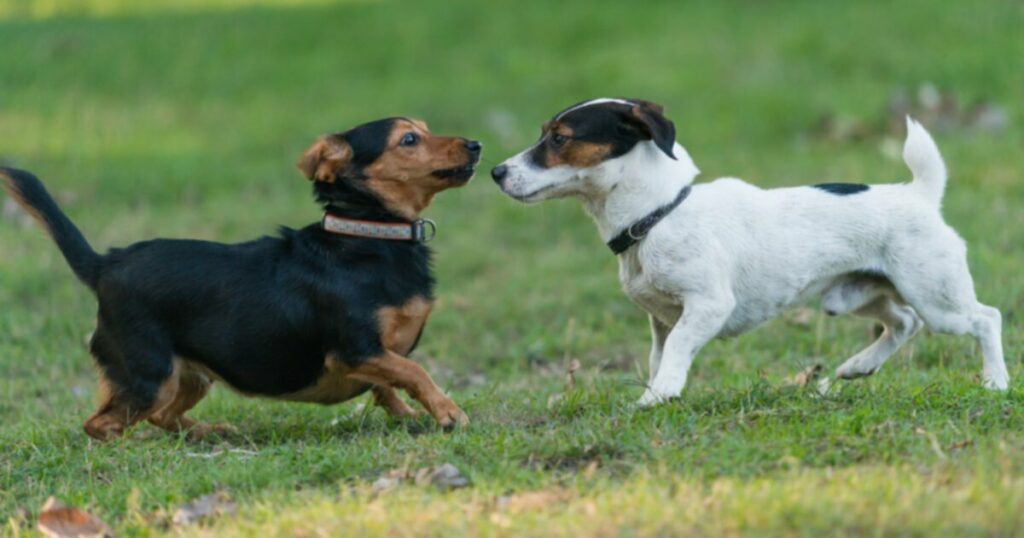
{"x":842,"y":189}
{"x":261,"y":315}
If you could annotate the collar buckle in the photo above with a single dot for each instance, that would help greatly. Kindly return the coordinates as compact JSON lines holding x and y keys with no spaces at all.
{"x":423,"y":230}
{"x":636,"y":235}
{"x":635,"y":232}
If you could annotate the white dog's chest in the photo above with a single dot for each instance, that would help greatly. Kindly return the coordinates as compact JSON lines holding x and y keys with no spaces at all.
{"x":642,"y":290}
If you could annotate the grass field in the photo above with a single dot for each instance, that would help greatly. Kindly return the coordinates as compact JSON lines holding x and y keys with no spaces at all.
{"x":184,"y":120}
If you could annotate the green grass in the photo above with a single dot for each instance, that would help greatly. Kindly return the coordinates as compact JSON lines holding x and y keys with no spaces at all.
{"x":184,"y":120}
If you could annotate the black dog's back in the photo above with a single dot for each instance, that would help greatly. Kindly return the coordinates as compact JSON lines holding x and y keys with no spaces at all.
{"x":243,"y":309}
{"x":261,"y":315}
{"x":318,"y":314}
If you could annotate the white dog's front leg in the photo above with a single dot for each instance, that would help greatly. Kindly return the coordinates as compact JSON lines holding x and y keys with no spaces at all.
{"x":659,"y":332}
{"x":701,"y":321}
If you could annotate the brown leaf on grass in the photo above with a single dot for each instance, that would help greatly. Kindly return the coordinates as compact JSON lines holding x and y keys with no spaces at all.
{"x":802,"y":317}
{"x":805,"y":376}
{"x":533,"y":500}
{"x":444,"y":477}
{"x":212,"y":505}
{"x":56,"y":520}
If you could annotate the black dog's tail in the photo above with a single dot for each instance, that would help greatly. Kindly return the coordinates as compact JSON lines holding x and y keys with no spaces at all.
{"x":28,"y":191}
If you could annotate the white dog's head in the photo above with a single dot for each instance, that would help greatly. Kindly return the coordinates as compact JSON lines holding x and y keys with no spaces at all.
{"x":586,"y":149}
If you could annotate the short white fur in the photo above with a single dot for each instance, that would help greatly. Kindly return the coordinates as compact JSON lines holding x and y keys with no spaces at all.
{"x":734,"y":255}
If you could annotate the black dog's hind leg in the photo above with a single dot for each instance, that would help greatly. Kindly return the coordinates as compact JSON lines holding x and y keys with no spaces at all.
{"x":192,"y":387}
{"x":138,"y":377}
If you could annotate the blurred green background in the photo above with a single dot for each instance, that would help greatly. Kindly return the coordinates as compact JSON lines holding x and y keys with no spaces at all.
{"x":184,"y":119}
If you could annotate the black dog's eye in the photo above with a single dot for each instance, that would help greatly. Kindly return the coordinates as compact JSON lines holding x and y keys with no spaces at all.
{"x":558,"y":139}
{"x":410,"y":139}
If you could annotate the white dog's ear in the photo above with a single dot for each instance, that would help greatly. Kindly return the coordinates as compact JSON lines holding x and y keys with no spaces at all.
{"x":649,"y":118}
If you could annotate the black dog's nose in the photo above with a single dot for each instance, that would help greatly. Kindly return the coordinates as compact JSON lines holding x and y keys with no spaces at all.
{"x":473,"y":146}
{"x":499,"y":172}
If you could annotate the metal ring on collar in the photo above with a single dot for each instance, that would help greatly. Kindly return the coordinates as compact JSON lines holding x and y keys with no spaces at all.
{"x":424,"y":230}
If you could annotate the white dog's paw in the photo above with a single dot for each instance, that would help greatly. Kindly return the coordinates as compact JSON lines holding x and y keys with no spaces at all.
{"x":855,"y":369}
{"x":652,"y":398}
{"x":997,"y":382}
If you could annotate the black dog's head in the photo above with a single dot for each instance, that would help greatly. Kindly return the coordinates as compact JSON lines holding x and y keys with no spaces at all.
{"x":395,"y":163}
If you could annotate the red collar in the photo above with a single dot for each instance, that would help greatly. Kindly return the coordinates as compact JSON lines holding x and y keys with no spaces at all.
{"x":419,"y":230}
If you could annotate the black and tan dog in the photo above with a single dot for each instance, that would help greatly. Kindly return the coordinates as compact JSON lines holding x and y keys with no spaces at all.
{"x":321,"y":314}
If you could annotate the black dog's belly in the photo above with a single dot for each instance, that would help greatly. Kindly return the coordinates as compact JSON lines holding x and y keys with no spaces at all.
{"x":276,"y":317}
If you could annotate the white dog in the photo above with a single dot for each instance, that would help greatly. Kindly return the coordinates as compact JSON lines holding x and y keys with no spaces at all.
{"x":718,"y":259}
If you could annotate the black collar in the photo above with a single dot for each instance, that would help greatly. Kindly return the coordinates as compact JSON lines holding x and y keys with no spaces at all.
{"x":639,"y":229}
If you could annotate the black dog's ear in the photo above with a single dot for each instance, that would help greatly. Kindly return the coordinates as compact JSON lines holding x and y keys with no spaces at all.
{"x":325,"y":159}
{"x":650,"y":119}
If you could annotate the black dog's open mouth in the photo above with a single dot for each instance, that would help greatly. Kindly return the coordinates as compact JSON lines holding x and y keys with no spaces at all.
{"x":462,"y":173}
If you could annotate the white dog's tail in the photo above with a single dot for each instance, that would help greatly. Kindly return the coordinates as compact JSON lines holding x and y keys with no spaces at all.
{"x":922,"y":156}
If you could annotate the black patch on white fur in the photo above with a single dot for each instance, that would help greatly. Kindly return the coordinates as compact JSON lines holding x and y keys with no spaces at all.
{"x":842,"y":189}
{"x":621,"y":125}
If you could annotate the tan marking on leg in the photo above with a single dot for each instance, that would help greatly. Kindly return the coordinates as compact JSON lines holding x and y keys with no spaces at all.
{"x":387,"y":398}
{"x":193,"y":385}
{"x":393,"y":370}
{"x":400,"y":326}
{"x":115,"y":415}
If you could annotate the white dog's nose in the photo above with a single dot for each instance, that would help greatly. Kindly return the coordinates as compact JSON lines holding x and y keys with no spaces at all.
{"x":499,"y":172}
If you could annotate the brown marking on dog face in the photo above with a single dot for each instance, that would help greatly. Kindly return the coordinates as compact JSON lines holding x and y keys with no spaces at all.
{"x":400,"y":326}
{"x":405,"y":177}
{"x":326,"y":159}
{"x":558,"y":147}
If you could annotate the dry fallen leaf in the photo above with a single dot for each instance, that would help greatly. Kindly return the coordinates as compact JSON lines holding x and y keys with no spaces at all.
{"x":56,"y":520}
{"x":533,"y":500}
{"x":445,"y":477}
{"x":805,"y":376}
{"x":802,"y":317}
{"x":214,"y":504}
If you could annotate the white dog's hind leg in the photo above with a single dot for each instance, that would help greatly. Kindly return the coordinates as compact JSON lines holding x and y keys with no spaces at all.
{"x":659,"y":332}
{"x":900,"y":323}
{"x":701,"y":321}
{"x":945,"y":299}
{"x":988,"y":332}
